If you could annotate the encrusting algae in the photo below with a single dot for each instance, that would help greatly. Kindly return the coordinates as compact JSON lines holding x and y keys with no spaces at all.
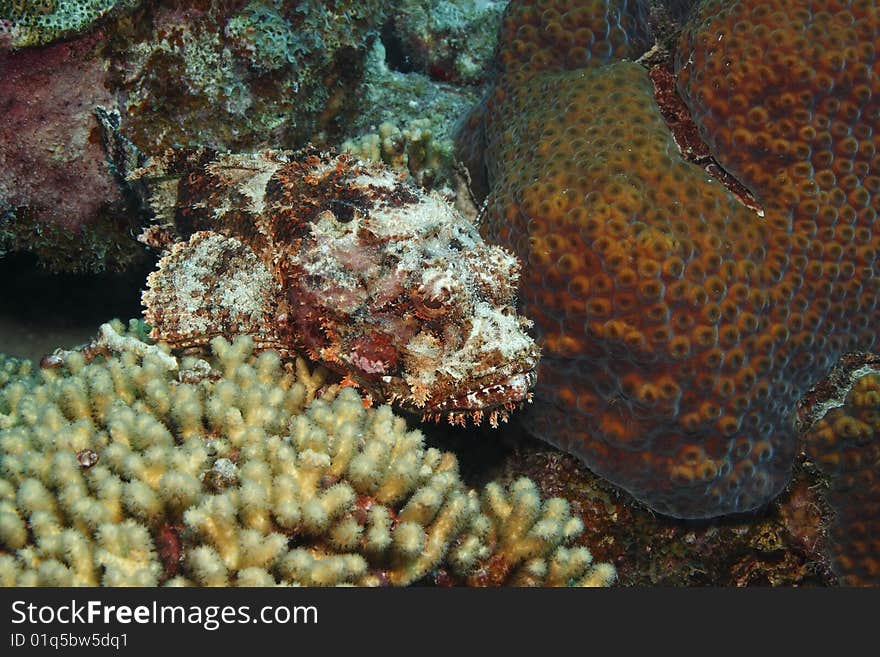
{"x":124,"y":465}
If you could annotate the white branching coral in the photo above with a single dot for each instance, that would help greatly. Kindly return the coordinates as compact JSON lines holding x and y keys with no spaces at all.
{"x":228,"y":471}
{"x":415,"y":149}
{"x":13,"y":368}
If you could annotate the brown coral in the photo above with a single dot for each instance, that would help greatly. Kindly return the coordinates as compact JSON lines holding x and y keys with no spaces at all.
{"x":845,"y":445}
{"x":556,"y":35}
{"x":679,"y":327}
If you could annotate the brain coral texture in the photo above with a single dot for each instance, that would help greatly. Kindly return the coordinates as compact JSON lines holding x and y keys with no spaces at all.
{"x":678,"y":327}
{"x":139,"y":469}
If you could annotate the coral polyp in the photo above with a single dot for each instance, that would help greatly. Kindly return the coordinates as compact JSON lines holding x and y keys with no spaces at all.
{"x":679,"y":327}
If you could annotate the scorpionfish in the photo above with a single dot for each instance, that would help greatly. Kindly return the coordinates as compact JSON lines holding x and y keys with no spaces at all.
{"x":316,"y":253}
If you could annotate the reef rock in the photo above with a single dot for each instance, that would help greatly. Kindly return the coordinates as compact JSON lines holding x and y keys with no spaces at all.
{"x":57,"y":197}
{"x":24,"y":24}
{"x":322,"y":254}
{"x":233,"y":75}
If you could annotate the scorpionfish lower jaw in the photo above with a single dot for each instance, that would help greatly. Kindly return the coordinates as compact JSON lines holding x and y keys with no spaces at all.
{"x":678,"y":327}
{"x":491,"y":401}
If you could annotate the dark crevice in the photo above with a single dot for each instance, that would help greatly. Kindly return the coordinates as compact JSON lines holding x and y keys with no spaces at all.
{"x":395,"y":55}
{"x":40,"y":311}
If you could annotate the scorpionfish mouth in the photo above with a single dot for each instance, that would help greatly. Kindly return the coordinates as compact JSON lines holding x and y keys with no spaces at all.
{"x":492,"y":401}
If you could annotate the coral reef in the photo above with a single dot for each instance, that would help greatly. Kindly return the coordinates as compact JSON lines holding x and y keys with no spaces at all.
{"x":232,"y":75}
{"x":122,"y":465}
{"x":785,"y":544}
{"x":39,"y":22}
{"x":406,"y":120}
{"x":237,"y":75}
{"x":679,"y":328}
{"x":413,"y":149}
{"x":224,"y":74}
{"x":447,"y":40}
{"x":344,"y":261}
{"x":845,"y":446}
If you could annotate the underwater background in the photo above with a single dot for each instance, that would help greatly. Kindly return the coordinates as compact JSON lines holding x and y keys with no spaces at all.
{"x":691,"y":189}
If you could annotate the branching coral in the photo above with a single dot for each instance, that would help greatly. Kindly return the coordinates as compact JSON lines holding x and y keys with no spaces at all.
{"x":12,"y":369}
{"x":414,"y":149}
{"x":125,"y":470}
